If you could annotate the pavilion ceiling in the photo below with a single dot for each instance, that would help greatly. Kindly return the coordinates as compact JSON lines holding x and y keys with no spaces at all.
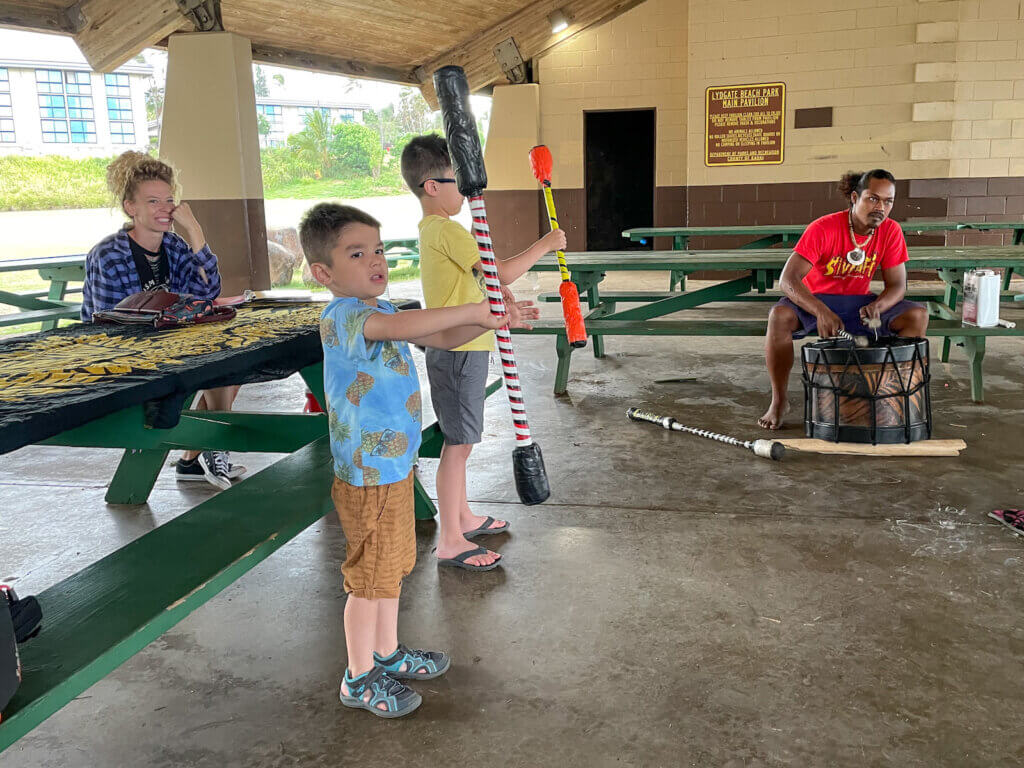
{"x":400,"y":41}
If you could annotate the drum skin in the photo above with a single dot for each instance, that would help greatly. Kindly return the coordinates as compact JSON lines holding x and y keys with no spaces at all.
{"x":878,"y":394}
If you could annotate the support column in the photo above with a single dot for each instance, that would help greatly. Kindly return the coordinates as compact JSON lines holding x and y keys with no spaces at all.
{"x":209,"y":134}
{"x":514,"y":200}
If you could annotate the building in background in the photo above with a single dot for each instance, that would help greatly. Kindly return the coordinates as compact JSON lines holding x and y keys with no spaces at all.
{"x":58,"y":106}
{"x":288,"y":116}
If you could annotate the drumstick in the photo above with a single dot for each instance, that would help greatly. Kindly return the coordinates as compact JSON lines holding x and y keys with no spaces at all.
{"x":572,"y":313}
{"x":766,"y":449}
{"x":860,"y":341}
{"x":471,"y":178}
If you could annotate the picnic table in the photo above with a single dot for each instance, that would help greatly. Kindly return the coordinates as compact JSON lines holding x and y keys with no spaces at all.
{"x":47,"y":307}
{"x":760,"y":269}
{"x":127,"y":387}
{"x":770,"y":235}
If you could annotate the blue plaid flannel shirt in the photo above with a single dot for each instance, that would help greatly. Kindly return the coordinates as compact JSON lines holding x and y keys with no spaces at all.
{"x":110,"y":273}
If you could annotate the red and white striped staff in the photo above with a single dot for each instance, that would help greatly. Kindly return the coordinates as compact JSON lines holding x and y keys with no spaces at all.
{"x":482,"y":233}
{"x":471,"y":177}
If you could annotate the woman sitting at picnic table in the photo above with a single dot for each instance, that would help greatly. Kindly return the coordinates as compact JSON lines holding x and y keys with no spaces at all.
{"x":146,"y":254}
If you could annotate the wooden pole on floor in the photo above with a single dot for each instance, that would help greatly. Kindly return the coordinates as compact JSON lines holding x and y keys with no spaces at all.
{"x":920,"y":448}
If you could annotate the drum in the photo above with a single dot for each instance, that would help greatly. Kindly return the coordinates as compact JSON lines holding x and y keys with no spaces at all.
{"x":874,"y":394}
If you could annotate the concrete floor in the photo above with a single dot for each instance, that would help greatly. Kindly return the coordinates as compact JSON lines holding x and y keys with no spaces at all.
{"x":676,"y":603}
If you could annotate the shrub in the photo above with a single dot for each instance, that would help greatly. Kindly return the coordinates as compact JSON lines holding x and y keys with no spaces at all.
{"x":283,"y":165}
{"x":355,"y":147}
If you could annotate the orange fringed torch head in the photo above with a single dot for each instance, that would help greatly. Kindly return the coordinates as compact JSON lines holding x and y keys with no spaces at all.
{"x":541,"y":162}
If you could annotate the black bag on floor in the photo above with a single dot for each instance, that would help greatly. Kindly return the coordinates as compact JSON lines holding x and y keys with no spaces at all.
{"x":10,"y":665}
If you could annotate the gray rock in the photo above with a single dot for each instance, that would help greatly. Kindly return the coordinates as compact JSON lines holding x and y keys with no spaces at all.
{"x":282,"y":263}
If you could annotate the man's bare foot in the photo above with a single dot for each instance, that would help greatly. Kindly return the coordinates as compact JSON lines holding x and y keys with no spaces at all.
{"x":446,"y":551}
{"x":774,"y":416}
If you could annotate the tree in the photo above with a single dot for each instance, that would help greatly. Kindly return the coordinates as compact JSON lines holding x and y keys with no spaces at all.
{"x":312,"y":143}
{"x":261,"y":83}
{"x":154,"y":101}
{"x":279,"y":79}
{"x":413,"y":112}
{"x":262,"y":124}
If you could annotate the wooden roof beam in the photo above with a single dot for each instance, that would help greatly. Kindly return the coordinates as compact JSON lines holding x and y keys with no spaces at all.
{"x":65,"y":21}
{"x":337,"y":65}
{"x":531,"y":31}
{"x":116,"y":30}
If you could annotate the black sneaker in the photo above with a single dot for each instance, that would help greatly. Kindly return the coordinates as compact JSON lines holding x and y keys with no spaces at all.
{"x":215,"y":468}
{"x":192,"y":471}
{"x":189,"y":471}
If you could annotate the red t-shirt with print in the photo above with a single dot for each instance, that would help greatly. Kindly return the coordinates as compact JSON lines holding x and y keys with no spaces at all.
{"x":825,"y":244}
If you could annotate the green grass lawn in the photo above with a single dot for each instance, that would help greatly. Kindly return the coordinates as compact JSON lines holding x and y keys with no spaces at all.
{"x":50,"y":182}
{"x":53,"y":182}
{"x":318,"y":189}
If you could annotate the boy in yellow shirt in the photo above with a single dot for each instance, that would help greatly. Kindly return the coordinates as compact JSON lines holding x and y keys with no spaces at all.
{"x":451,"y":274}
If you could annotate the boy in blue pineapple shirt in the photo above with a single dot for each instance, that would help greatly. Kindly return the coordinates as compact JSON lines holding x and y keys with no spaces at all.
{"x":373,"y":406}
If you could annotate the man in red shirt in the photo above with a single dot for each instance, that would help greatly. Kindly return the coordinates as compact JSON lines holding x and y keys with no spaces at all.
{"x":827,"y":281}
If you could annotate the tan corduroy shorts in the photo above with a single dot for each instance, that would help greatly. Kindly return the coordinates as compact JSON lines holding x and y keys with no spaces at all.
{"x":380,"y":533}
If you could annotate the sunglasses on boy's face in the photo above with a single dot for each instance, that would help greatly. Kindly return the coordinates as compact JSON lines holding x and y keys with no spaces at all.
{"x":439,"y":181}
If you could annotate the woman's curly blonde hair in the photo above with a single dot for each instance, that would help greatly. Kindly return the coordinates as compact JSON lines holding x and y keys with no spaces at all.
{"x":130,"y":169}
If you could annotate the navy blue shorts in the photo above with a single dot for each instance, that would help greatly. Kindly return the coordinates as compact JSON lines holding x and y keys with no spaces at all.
{"x":848,"y":309}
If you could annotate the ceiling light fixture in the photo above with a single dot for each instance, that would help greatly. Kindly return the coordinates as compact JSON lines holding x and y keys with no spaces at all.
{"x":559,"y":20}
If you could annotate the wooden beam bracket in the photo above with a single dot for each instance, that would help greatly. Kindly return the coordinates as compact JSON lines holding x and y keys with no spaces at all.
{"x":511,"y":61}
{"x":204,"y":14}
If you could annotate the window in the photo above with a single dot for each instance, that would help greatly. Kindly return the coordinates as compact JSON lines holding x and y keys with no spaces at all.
{"x":65,"y":107}
{"x":303,"y":111}
{"x":6,"y":110}
{"x":346,"y":115}
{"x":273,"y":115}
{"x":119,"y":109}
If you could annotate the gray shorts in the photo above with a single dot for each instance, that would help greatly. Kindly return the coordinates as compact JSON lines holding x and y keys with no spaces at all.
{"x":458,"y":386}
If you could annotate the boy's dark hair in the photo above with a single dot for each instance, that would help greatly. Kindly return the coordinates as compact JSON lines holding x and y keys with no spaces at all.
{"x":858,"y":181}
{"x":423,"y":157}
{"x":320,"y":227}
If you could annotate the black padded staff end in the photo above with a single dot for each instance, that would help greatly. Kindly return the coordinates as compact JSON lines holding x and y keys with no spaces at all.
{"x":460,"y":130}
{"x":531,"y":477}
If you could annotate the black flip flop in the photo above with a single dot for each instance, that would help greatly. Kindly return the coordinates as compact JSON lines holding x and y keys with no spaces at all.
{"x":486,"y":530}
{"x":459,"y":561}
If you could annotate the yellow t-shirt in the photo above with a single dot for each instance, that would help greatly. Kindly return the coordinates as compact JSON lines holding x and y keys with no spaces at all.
{"x":447,"y":256}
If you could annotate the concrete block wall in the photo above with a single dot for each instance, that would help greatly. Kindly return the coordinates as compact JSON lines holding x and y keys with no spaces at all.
{"x":637,"y":60}
{"x":859,"y":57}
{"x":985,"y":111}
{"x":933,"y":90}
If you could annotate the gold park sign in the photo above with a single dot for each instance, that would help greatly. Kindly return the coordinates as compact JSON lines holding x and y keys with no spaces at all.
{"x":746,"y":124}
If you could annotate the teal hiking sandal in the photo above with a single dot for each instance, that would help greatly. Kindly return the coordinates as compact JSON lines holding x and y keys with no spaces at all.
{"x":418,"y":665}
{"x":397,"y":698}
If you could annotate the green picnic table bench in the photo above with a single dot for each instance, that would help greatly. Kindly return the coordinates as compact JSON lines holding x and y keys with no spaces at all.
{"x":770,"y":235}
{"x":45,"y":307}
{"x":102,"y":615}
{"x":402,"y":249}
{"x":762,"y":269}
{"x":49,"y":307}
